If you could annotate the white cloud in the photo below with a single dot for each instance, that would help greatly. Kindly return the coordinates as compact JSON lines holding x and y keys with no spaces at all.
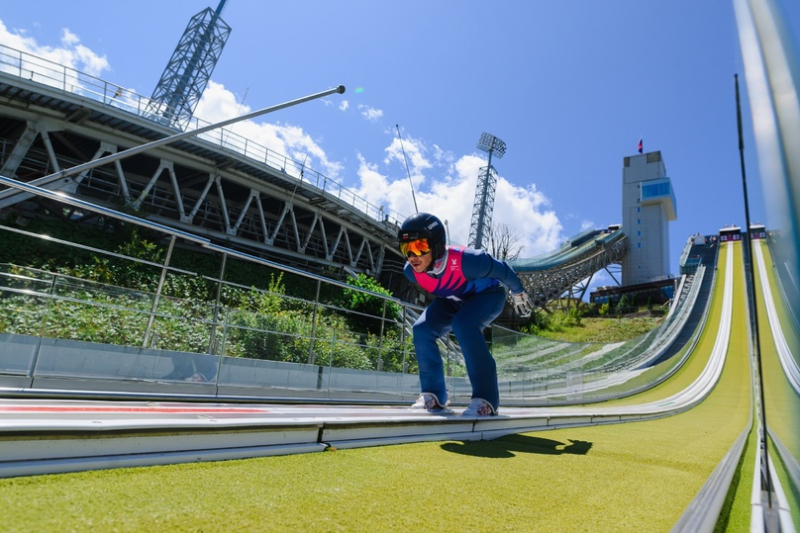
{"x":448,"y":190}
{"x":71,"y":54}
{"x":412,"y":150}
{"x":344,"y":105}
{"x":218,"y":104}
{"x":68,"y":38}
{"x":370,"y":113}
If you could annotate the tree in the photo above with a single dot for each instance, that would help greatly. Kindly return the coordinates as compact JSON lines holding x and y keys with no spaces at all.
{"x":504,"y":243}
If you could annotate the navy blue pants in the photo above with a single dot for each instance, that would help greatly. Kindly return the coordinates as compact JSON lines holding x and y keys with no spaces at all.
{"x":467,"y":320}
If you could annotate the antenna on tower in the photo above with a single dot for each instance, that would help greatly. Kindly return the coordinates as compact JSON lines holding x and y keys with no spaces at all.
{"x":483,"y":207}
{"x":407,"y":169}
{"x":187,"y":73}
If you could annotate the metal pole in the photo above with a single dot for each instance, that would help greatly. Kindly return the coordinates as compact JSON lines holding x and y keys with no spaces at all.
{"x":330,"y":364}
{"x":221,"y":353}
{"x":403,"y":339}
{"x":158,"y":293}
{"x":47,"y":308}
{"x":311,"y":357}
{"x":167,"y":140}
{"x":408,"y":171}
{"x":380,"y":341}
{"x":216,"y":305}
{"x":752,"y":303}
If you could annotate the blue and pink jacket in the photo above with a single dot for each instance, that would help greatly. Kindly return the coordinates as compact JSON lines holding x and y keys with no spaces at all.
{"x":462,"y":272}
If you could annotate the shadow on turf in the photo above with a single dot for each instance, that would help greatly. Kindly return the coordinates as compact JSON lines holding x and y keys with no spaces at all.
{"x":506,"y":447}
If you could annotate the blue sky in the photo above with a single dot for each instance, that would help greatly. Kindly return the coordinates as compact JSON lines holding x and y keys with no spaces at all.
{"x":569,"y":86}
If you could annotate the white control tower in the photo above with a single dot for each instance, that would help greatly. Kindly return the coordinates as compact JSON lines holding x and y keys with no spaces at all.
{"x":648,"y":205}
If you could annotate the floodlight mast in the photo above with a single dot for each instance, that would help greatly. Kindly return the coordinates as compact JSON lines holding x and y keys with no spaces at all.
{"x":189,"y":69}
{"x":483,"y":206}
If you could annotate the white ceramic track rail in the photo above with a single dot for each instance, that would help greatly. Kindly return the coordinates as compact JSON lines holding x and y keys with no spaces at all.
{"x":789,"y":363}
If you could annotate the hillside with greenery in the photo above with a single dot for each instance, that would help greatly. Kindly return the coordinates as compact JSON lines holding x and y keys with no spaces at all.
{"x":269,"y":313}
{"x":593,"y":324}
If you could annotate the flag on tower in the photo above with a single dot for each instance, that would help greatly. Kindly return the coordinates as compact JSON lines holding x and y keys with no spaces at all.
{"x":640,"y":145}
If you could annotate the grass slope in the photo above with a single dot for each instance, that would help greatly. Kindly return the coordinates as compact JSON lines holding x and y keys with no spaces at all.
{"x":603,"y":330}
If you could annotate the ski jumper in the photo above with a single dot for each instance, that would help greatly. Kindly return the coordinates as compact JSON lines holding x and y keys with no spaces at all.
{"x":469,"y":296}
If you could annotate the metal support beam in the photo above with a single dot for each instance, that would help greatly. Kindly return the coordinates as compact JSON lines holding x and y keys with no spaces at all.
{"x":235,"y":229}
{"x":162,"y":166}
{"x":20,"y":149}
{"x":188,"y":219}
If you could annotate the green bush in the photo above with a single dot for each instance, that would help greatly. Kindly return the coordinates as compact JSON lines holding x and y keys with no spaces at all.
{"x":367,"y":303}
{"x":22,"y":315}
{"x":273,"y":337}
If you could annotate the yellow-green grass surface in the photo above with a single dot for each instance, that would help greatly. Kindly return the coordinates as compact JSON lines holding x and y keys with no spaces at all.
{"x":781,"y":400}
{"x":694,"y":365}
{"x":736,"y":512}
{"x":625,"y":477}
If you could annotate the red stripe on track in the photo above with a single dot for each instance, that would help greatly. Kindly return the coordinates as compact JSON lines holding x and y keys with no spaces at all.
{"x":180,"y":410}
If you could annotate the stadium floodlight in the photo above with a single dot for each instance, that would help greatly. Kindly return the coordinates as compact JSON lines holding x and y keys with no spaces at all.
{"x":493,"y":145}
{"x":483,"y":207}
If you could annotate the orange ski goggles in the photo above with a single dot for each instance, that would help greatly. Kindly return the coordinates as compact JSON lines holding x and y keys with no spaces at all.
{"x":417,"y":247}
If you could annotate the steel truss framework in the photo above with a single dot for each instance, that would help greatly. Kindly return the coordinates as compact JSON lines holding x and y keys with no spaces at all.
{"x":547,"y":285}
{"x":483,"y":207}
{"x":189,"y":69}
{"x":191,"y":185}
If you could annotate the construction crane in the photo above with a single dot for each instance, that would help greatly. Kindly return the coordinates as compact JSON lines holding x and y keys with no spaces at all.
{"x":182,"y":84}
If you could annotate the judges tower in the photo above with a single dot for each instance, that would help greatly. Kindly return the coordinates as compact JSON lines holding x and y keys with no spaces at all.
{"x":648,"y":205}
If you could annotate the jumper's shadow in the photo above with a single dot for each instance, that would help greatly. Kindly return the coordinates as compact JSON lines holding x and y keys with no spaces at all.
{"x":509,"y":446}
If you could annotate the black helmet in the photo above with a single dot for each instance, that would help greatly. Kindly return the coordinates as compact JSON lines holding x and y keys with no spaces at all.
{"x":424,"y":225}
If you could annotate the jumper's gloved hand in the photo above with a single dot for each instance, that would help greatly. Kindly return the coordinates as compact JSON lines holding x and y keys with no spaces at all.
{"x":522,"y":303}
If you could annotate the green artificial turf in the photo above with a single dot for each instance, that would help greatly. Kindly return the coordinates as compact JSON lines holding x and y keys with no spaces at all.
{"x":692,"y":368}
{"x":782,"y":402}
{"x":626,"y":477}
{"x":735,"y":514}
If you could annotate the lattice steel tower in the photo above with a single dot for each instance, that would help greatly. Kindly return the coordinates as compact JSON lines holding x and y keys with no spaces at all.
{"x":189,"y":69}
{"x":484,"y":192}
